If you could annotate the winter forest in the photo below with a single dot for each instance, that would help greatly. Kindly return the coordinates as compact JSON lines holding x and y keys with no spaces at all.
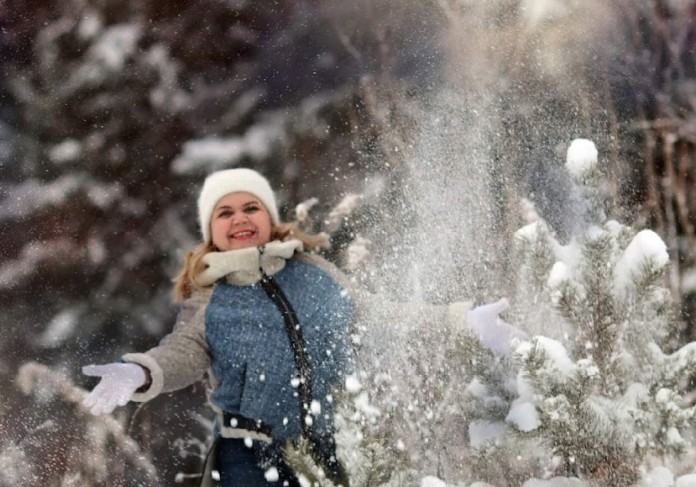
{"x":542,"y":151}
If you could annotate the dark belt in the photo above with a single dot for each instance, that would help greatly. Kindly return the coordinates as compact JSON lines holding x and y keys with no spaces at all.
{"x":242,"y":422}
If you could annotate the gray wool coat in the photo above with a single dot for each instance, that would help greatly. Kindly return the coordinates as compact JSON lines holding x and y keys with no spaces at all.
{"x":186,"y":354}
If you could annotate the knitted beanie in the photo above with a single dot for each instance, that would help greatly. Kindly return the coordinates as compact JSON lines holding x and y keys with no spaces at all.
{"x":222,"y":183}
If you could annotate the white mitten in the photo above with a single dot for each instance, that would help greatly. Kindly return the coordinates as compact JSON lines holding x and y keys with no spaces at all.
{"x":118,"y":383}
{"x":493,"y":332}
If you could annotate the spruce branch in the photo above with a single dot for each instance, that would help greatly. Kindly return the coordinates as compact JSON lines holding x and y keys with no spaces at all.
{"x":298,"y":456}
{"x":538,"y":370}
{"x":569,"y":302}
{"x":679,"y":365}
{"x":672,"y":419}
{"x":485,"y":376}
{"x":600,"y":328}
{"x":534,"y":248}
{"x":649,"y":279}
{"x":40,"y":381}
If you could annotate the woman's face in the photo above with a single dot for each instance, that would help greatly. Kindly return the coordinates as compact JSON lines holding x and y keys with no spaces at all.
{"x":240,"y":220}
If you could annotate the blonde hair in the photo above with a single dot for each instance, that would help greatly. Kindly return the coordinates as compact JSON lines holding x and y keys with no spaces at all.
{"x":185,"y":282}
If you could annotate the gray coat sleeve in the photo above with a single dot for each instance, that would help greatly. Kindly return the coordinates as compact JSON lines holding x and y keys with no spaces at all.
{"x":387,"y":334}
{"x":374,"y":311}
{"x":182,"y":357}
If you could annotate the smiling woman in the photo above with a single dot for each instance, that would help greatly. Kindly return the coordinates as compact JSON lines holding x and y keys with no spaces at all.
{"x":269,"y":322}
{"x":240,"y":220}
{"x":266,"y":321}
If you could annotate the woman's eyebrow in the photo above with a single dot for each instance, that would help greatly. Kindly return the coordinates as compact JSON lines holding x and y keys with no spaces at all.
{"x":244,"y":205}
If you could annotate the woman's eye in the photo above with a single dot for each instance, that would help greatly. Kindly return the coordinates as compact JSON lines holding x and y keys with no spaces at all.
{"x":251,"y":209}
{"x":224,"y":214}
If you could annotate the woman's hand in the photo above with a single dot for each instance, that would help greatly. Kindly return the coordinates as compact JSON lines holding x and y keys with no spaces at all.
{"x":493,"y":332}
{"x":118,"y":383}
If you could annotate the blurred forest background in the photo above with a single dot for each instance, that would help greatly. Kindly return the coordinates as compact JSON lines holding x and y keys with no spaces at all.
{"x":112,"y":112}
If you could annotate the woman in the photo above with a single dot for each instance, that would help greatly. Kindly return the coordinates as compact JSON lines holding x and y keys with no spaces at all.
{"x":269,"y":323}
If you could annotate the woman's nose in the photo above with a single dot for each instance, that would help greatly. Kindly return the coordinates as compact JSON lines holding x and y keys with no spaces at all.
{"x":240,"y":217}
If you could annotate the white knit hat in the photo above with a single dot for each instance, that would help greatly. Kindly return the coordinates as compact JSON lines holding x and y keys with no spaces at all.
{"x":222,"y":183}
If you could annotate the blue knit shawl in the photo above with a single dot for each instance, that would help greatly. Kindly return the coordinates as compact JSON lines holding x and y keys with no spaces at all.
{"x":251,"y":356}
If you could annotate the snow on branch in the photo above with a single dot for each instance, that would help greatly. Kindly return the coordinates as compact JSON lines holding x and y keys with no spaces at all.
{"x":679,"y":365}
{"x":213,"y":153}
{"x":42,"y":382}
{"x":645,"y":255}
{"x":34,"y":257}
{"x":31,"y":195}
{"x":581,"y":160}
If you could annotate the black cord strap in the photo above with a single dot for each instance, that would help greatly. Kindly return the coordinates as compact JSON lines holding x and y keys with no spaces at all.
{"x":322,"y":448}
{"x":299,"y":347}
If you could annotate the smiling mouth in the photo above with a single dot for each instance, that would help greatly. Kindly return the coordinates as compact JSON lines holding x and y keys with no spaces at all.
{"x":243,"y":235}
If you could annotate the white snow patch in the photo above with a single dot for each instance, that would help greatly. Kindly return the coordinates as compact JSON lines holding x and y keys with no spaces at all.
{"x":480,"y":432}
{"x":595,"y":232}
{"x":32,"y":195}
{"x":60,"y":328}
{"x":14,"y":465}
{"x":108,"y":55}
{"x":614,"y":228}
{"x":477,"y":389}
{"x":33,"y":256}
{"x":90,"y":25}
{"x":529,"y":212}
{"x":302,"y":210}
{"x":362,"y":404}
{"x":559,"y":274}
{"x":115,"y":46}
{"x":558,"y":355}
{"x":569,"y":254}
{"x":556,"y":352}
{"x":658,"y":477}
{"x":66,"y":151}
{"x":167,"y":94}
{"x":342,"y":210}
{"x":353,"y":384}
{"x":536,"y":12}
{"x":96,"y":250}
{"x":271,"y":475}
{"x":686,"y":481}
{"x":646,"y":248}
{"x":581,"y":158}
{"x":432,"y":482}
{"x":555,"y":482}
{"x":214,"y":153}
{"x":356,"y":253}
{"x":524,"y":416}
{"x":529,"y":232}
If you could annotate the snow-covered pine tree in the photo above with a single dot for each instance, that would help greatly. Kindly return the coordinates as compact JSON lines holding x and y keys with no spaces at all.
{"x":607,"y":393}
{"x":364,"y":447}
{"x":592,"y":396}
